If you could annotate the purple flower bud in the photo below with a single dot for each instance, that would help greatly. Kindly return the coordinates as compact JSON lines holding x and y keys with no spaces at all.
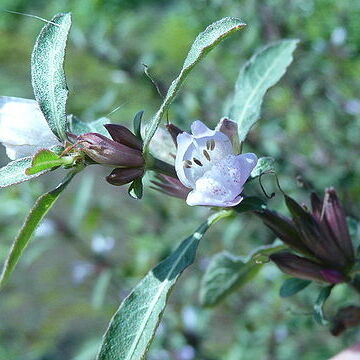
{"x":174,"y":131}
{"x":316,"y":205}
{"x":230,"y":129}
{"x":170,"y":186}
{"x":123,"y":135}
{"x":334,"y":216}
{"x":284,"y":229}
{"x":122,"y":176}
{"x":316,"y":236}
{"x":303,"y":268}
{"x":108,"y":152}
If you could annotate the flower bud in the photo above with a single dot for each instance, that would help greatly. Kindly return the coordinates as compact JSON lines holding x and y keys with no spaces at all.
{"x":122,"y":176}
{"x":230,"y":129}
{"x":303,"y":268}
{"x":334,"y":215}
{"x":174,"y":131}
{"x":108,"y":152}
{"x":170,"y":186}
{"x":123,"y":135}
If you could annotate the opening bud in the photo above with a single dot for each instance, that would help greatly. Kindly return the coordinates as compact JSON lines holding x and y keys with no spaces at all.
{"x":122,"y":176}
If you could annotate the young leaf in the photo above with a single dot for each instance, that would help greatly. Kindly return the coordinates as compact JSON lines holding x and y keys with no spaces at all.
{"x":47,"y":73}
{"x":318,"y":313}
{"x":204,"y":42}
{"x":46,"y":159}
{"x":227,"y":273}
{"x":259,"y":74}
{"x":78,"y":127}
{"x":136,"y":189}
{"x":37,"y":213}
{"x":14,"y":172}
{"x":264,"y":164}
{"x":137,"y":123}
{"x":292,"y":286}
{"x":133,"y":326}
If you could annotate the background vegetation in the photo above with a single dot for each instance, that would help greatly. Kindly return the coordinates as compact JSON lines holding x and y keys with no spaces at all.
{"x":97,"y":242}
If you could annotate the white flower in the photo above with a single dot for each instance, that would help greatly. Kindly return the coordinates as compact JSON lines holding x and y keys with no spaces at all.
{"x":23,"y":128}
{"x":206,"y":163}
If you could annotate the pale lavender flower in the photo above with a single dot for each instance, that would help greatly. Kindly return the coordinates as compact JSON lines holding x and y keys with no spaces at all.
{"x":206,"y":163}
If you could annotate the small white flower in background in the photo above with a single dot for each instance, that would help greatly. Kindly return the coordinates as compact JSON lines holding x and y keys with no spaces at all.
{"x":207,"y":162}
{"x":23,"y":128}
{"x":101,"y":244}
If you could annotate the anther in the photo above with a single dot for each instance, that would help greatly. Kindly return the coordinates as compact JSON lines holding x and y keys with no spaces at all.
{"x":187,"y":164}
{"x":197,"y":162}
{"x":207,"y":155}
{"x":212,"y":144}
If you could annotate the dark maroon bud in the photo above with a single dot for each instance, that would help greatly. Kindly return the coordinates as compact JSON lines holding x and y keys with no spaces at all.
{"x":230,"y":129}
{"x":346,"y":317}
{"x":298,"y":266}
{"x":316,"y":205}
{"x":332,"y":276}
{"x":334,"y":216}
{"x":122,"y":176}
{"x":316,"y":236}
{"x":284,"y":229}
{"x":123,"y":135}
{"x":174,"y":132}
{"x":108,"y":152}
{"x":170,"y":186}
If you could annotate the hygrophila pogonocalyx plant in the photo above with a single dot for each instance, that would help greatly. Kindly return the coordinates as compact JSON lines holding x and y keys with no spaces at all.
{"x":209,"y":170}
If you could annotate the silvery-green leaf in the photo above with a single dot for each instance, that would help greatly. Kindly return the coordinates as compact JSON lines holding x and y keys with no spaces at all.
{"x":37,"y":213}
{"x":227,"y":272}
{"x":133,"y":326}
{"x":204,"y":42}
{"x":260,"y":73}
{"x":47,"y":72}
{"x":14,"y":172}
{"x":79,"y":127}
{"x":264,"y":164}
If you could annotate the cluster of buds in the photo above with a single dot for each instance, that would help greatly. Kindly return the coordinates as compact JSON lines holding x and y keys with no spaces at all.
{"x":321,"y":235}
{"x":123,"y":152}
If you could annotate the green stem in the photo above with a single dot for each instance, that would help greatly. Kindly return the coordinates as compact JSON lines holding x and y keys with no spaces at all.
{"x":160,"y":166}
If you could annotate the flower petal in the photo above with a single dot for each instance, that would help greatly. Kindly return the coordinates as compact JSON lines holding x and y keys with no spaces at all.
{"x":199,"y":129}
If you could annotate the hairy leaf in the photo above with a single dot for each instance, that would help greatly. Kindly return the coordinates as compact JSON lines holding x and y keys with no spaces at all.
{"x":292,"y":286}
{"x":133,"y":326}
{"x":260,"y":73}
{"x":227,"y":273}
{"x":37,"y":213}
{"x":47,"y":73}
{"x":14,"y":172}
{"x":204,"y":42}
{"x":264,"y":164}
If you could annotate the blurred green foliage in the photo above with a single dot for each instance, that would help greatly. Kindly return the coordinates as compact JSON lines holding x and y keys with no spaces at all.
{"x":97,"y":242}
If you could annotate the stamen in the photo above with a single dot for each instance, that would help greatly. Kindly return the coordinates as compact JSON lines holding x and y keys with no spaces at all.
{"x":187,"y":164}
{"x":212,"y":144}
{"x":208,"y":144}
{"x":207,"y":155}
{"x":197,"y":162}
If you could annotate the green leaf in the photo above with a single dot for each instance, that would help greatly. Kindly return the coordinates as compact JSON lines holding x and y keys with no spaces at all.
{"x":227,"y":273}
{"x":137,"y":124}
{"x":260,"y":73}
{"x":14,"y":172}
{"x":133,"y":326}
{"x":78,"y":127}
{"x":46,"y":159}
{"x":265,"y":164}
{"x":204,"y":42}
{"x":47,"y":73}
{"x":318,"y":313}
{"x":250,"y":203}
{"x":292,"y":286}
{"x":37,"y":213}
{"x":136,"y":189}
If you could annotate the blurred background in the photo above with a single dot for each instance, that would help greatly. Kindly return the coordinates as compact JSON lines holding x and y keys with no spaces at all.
{"x":97,"y":243}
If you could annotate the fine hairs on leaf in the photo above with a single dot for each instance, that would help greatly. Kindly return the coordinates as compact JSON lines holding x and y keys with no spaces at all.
{"x":47,"y":73}
{"x":133,"y":326}
{"x":204,"y":42}
{"x":37,"y":213}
